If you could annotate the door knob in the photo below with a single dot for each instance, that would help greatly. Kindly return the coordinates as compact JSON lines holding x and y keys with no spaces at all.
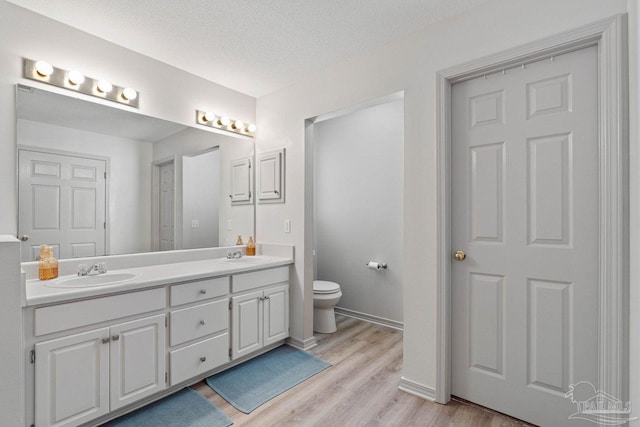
{"x":459,"y":255}
{"x":24,"y":237}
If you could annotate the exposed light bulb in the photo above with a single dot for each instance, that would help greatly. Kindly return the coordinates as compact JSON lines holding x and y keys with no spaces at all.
{"x":43,"y":68}
{"x":251,"y":128}
{"x":208,"y":116}
{"x":224,"y":121}
{"x":75,"y":77}
{"x":129,"y":94}
{"x":104,"y":86}
{"x":238,"y":125}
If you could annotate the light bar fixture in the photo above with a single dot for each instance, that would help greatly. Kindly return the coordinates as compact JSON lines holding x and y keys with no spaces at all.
{"x":76,"y":81}
{"x":220,"y":121}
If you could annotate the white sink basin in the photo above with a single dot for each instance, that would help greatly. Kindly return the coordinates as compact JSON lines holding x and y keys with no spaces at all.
{"x":87,"y":281}
{"x":245,"y":260}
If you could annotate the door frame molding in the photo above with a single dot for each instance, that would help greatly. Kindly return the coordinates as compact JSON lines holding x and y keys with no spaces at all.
{"x":609,"y":35}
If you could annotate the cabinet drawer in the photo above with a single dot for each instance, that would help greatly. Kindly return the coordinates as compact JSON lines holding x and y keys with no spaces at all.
{"x":199,"y":291}
{"x":258,"y":279}
{"x":195,"y":322}
{"x":76,"y":314}
{"x":198,"y":358}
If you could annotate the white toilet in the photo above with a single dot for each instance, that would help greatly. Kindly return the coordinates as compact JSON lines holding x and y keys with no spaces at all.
{"x":325,"y":296}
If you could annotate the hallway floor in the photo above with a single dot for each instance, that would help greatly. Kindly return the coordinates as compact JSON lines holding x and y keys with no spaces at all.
{"x":361,"y":389}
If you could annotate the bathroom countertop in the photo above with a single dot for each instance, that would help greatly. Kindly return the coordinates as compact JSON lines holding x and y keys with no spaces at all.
{"x":40,"y":292}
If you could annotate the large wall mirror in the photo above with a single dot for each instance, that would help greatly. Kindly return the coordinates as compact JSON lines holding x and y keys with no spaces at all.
{"x":96,"y":180}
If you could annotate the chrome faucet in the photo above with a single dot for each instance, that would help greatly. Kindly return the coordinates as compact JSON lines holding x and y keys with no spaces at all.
{"x":85,"y":269}
{"x":234,"y":254}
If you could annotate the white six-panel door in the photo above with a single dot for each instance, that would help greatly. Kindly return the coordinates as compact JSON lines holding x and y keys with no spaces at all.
{"x":525,"y":212}
{"x":62,"y":204}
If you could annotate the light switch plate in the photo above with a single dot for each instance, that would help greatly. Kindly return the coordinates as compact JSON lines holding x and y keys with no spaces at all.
{"x":195,"y":223}
{"x":287,"y":226}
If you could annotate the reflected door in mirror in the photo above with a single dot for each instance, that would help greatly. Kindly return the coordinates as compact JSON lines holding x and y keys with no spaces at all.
{"x":62,"y":204}
{"x":167,"y":206}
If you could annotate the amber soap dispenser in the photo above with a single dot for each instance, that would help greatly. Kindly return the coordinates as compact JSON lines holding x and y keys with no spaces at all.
{"x":251,"y":247}
{"x":48,"y":264}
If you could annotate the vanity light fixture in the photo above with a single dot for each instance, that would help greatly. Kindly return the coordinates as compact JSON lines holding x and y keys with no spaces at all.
{"x":129,"y":94}
{"x":43,"y":68}
{"x":75,"y":77}
{"x":74,"y":80}
{"x":104,"y":86}
{"x":207,"y":118}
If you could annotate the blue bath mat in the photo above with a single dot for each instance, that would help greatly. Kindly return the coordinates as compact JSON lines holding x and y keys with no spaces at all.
{"x":185,"y":408}
{"x":259,"y":380}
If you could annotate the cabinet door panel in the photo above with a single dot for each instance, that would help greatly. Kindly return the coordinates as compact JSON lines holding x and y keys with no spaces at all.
{"x":241,"y":180}
{"x":270,"y":176}
{"x":276,"y":314}
{"x":137,"y":360}
{"x":72,"y":379}
{"x":246,"y":323}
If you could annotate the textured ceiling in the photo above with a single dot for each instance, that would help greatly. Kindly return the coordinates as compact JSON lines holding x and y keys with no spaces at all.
{"x":253,"y":46}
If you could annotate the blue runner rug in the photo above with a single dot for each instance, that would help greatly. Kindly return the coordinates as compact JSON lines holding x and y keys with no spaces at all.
{"x":256,"y":381}
{"x":185,"y":408}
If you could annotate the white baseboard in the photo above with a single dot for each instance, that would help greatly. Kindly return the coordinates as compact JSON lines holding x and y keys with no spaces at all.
{"x":417,"y":389}
{"x":305,"y":345}
{"x":370,"y":318}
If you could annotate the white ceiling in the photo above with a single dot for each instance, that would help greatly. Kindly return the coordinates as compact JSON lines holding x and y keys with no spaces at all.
{"x":253,"y":46}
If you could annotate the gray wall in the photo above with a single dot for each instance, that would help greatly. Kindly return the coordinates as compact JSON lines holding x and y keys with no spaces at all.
{"x":358,"y":207}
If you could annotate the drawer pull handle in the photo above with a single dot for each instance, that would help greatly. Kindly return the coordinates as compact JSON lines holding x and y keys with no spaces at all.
{"x":115,"y":338}
{"x":203,"y":291}
{"x":203,"y":359}
{"x":202,"y":322}
{"x":106,"y":340}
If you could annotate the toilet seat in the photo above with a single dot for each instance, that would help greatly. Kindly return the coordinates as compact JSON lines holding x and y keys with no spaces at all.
{"x":325,"y":287}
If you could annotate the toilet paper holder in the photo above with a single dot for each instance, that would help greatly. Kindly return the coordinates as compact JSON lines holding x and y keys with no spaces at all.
{"x":373,"y":265}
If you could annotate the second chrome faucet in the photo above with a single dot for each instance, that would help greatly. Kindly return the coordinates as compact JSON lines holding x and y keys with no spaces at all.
{"x":86,"y":269}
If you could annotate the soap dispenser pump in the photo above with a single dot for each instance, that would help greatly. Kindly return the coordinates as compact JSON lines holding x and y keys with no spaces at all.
{"x":48,"y":264}
{"x":251,"y":247}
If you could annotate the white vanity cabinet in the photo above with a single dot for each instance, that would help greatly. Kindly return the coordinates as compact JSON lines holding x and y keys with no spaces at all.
{"x":198,"y":328}
{"x":260,"y":310}
{"x":111,"y":352}
{"x":82,"y":376}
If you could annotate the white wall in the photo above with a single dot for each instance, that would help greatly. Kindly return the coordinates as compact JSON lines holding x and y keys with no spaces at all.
{"x":358,"y":204}
{"x":129,"y":177}
{"x":200,"y":199}
{"x":409,"y":65}
{"x":165,"y":92}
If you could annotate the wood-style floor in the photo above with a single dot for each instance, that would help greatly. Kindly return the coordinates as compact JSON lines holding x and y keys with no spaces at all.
{"x":360,"y":389}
